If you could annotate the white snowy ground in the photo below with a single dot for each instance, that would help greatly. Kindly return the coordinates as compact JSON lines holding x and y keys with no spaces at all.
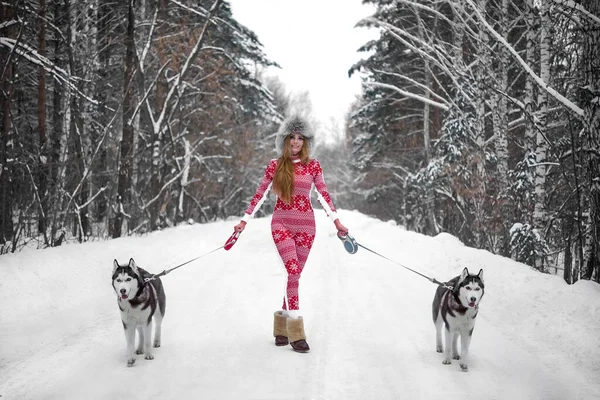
{"x":368,"y":321}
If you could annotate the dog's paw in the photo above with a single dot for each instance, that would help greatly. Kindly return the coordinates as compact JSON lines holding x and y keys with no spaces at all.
{"x":131,"y":362}
{"x":439,"y":349}
{"x":157,"y":343}
{"x":139,"y":351}
{"x":446,"y":362}
{"x":149,"y":357}
{"x":464,"y":367}
{"x":456,"y":357}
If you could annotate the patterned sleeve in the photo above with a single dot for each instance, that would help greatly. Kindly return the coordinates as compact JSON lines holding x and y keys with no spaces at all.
{"x":323,"y":195}
{"x":262,"y":191}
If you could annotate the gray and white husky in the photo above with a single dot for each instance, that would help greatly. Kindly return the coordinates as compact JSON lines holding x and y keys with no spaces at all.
{"x":139,"y":302}
{"x":456,"y":310}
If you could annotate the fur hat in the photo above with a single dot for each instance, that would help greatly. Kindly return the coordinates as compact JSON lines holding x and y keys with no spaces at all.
{"x":294,"y":124}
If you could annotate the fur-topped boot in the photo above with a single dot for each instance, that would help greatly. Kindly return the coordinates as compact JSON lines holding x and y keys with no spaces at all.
{"x":295,"y":329}
{"x":280,"y":329}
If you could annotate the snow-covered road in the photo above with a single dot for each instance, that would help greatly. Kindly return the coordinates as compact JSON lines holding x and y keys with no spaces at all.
{"x":368,"y":321}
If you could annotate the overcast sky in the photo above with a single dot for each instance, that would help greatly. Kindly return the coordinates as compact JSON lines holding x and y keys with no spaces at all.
{"x":315,"y":42}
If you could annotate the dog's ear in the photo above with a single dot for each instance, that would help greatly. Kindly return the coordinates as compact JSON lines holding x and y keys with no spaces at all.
{"x":115,"y":266}
{"x":133,"y":265}
{"x":464,"y":274}
{"x":480,"y":275}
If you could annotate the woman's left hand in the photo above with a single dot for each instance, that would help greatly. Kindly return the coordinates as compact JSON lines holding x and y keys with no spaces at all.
{"x":240,"y":227}
{"x":342,"y":230}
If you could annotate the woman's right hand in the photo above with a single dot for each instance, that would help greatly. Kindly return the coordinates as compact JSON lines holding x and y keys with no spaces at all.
{"x":240,"y":227}
{"x":342,"y":230}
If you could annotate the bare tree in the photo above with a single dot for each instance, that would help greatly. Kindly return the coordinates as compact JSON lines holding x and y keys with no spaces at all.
{"x":6,"y":97}
{"x":591,"y":123}
{"x":42,"y":171}
{"x":126,"y":156}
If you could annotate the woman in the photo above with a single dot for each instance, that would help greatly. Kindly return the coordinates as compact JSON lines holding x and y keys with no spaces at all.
{"x":293,"y":223}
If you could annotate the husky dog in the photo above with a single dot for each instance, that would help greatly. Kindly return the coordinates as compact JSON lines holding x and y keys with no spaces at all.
{"x":456,"y":309}
{"x":139,"y":302}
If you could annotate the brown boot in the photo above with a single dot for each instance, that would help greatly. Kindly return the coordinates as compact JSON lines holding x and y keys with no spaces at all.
{"x":295,"y":328}
{"x":280,"y":329}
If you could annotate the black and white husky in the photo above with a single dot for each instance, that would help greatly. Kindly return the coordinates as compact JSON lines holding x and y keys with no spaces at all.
{"x":139,"y":302}
{"x":456,"y":310}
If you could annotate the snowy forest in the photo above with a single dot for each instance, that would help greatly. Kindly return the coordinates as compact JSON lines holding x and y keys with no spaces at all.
{"x":479,"y":118}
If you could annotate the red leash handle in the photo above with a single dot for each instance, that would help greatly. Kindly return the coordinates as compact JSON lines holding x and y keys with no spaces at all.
{"x":232,"y":239}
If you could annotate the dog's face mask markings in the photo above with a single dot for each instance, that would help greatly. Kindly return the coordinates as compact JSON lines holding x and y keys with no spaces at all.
{"x":470,"y":289}
{"x":470,"y":295}
{"x":125,"y":285}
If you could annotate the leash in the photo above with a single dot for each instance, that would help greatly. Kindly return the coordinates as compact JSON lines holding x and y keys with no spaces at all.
{"x":351,"y":246}
{"x":228,"y":245}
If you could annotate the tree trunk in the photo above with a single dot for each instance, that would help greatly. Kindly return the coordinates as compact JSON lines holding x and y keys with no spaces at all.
{"x":6,"y":82}
{"x":500,"y":119}
{"x":479,"y":181}
{"x":157,"y":142}
{"x":183,"y":182}
{"x":105,"y":24}
{"x":125,"y":156}
{"x":42,"y":172}
{"x":541,"y":146}
{"x":529,"y":100}
{"x":500,"y":111}
{"x":591,"y":122}
{"x":431,"y":227}
{"x":56,"y":185}
{"x":568,"y":259}
{"x":76,"y":133}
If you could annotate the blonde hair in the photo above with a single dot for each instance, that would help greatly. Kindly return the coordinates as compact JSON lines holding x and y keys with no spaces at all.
{"x":283,"y":180}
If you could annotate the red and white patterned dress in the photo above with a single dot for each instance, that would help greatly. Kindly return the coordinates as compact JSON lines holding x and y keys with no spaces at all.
{"x":293,"y":225}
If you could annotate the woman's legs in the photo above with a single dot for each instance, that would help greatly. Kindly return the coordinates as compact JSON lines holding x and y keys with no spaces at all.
{"x":294,"y":250}
{"x":286,"y":247}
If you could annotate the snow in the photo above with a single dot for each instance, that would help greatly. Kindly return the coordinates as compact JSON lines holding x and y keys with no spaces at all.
{"x":368,"y":321}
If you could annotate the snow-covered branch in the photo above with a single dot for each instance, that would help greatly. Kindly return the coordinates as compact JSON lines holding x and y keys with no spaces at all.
{"x":146,"y":48}
{"x":144,"y":100}
{"x":414,"y":82}
{"x":31,"y":55}
{"x":544,"y":85}
{"x":575,"y":6}
{"x":441,"y":60}
{"x":95,"y":153}
{"x":6,"y":24}
{"x":203,"y":14}
{"x":443,"y":106}
{"x":188,"y":62}
{"x":426,"y":8}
